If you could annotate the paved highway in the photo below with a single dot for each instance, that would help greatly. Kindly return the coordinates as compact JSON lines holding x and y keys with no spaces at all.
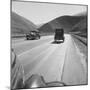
{"x":55,"y":62}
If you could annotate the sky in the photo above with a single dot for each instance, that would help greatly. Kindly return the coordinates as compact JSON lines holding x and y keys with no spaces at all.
{"x":40,"y":13}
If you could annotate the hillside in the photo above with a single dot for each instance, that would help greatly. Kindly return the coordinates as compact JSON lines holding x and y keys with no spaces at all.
{"x":80,"y":28}
{"x":79,"y":31}
{"x":20,"y":25}
{"x":65,"y":22}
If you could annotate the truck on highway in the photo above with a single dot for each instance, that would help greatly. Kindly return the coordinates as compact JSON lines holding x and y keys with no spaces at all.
{"x":33,"y":35}
{"x":59,"y":35}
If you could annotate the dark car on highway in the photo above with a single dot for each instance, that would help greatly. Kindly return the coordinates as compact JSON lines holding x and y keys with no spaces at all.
{"x":59,"y":36}
{"x":33,"y":35}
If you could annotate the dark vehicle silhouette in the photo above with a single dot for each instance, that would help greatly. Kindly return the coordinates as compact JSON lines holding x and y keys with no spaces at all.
{"x":33,"y":35}
{"x":59,"y":36}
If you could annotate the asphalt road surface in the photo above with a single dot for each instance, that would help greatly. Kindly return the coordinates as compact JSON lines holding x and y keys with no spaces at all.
{"x":55,"y":62}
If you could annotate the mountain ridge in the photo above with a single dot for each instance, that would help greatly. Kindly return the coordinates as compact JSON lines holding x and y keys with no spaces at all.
{"x":20,"y":25}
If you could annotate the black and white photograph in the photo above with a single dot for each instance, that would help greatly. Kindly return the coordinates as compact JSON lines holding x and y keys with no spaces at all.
{"x":49,"y":44}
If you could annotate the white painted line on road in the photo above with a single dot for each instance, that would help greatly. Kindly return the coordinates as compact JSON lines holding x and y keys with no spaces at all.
{"x":31,"y":41}
{"x":52,"y":49}
{"x":30,"y":50}
{"x":39,"y":55}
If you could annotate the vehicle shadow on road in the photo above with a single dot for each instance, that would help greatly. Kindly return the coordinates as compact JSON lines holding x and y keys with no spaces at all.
{"x":54,"y":42}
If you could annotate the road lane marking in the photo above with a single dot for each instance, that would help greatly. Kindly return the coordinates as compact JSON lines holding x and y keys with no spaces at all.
{"x":23,"y":48}
{"x":34,"y":63}
{"x":52,"y":49}
{"x":31,"y":41}
{"x":39,"y":54}
{"x":30,"y":50}
{"x":46,"y":57}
